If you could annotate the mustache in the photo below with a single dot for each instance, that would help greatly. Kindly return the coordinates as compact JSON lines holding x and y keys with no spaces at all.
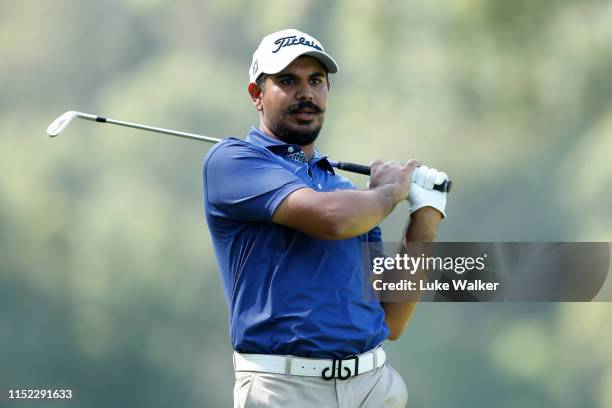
{"x":304,"y":105}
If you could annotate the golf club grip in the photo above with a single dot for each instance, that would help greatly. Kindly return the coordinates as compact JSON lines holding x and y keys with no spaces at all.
{"x":365,"y":170}
{"x":354,"y":168}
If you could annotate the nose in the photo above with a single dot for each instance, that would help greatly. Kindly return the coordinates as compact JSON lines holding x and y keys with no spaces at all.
{"x":304,"y":92}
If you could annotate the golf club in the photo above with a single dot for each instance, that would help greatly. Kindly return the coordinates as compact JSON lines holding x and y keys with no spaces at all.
{"x":58,"y":125}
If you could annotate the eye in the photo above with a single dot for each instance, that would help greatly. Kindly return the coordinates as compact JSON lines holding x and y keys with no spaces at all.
{"x":287,"y":81}
{"x":316,"y":81}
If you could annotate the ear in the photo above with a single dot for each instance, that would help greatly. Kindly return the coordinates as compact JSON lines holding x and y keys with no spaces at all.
{"x":256,"y":96}
{"x":328,"y":84}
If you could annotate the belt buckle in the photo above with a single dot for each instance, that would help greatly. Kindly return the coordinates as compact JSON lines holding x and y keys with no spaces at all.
{"x":336,"y":372}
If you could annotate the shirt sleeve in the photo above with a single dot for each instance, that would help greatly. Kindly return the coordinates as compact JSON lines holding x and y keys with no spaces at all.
{"x":244,"y":183}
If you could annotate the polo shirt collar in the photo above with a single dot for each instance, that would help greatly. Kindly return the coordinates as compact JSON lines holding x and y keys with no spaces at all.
{"x":259,"y":138}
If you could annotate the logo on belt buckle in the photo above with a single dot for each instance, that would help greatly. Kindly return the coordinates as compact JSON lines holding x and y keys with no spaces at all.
{"x":337,"y":372}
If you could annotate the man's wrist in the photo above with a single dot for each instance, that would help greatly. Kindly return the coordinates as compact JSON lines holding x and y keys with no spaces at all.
{"x":424,"y":224}
{"x":389,"y":194}
{"x":427,"y":214}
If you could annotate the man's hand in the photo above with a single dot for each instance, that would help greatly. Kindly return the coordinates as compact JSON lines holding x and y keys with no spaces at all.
{"x":393,"y":176}
{"x":422,"y":193}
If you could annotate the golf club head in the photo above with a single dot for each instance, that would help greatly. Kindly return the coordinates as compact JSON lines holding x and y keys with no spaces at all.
{"x":58,"y":125}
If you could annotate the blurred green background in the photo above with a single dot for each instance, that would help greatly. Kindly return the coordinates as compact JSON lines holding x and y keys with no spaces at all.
{"x":108,"y":282}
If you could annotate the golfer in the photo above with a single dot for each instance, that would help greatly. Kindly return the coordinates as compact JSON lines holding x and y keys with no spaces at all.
{"x":287,"y":232}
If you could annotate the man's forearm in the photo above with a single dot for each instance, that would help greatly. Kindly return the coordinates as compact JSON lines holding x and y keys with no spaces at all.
{"x":423,"y":228}
{"x":338,"y":214}
{"x":363,"y":211}
{"x":347,"y":213}
{"x":423,"y":225}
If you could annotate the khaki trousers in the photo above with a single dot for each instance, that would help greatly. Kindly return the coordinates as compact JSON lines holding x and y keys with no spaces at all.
{"x":379,"y":388}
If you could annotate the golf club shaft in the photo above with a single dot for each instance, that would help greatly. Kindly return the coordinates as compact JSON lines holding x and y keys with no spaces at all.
{"x":186,"y":135}
{"x":60,"y":123}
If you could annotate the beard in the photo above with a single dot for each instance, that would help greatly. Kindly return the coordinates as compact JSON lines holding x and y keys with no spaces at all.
{"x":299,"y":136}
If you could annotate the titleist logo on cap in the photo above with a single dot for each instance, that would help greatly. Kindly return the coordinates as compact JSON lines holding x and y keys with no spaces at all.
{"x":293,"y":40}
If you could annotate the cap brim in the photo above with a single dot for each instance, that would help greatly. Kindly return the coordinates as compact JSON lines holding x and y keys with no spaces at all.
{"x":327,"y":61}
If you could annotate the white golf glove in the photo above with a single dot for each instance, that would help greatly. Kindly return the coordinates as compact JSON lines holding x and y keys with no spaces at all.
{"x":422,"y":193}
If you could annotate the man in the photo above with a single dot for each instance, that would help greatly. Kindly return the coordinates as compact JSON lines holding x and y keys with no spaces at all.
{"x":287,"y":232}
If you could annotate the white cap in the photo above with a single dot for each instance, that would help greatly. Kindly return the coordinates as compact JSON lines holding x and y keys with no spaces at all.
{"x":277,"y":50}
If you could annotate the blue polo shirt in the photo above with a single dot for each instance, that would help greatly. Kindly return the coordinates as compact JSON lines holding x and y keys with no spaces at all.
{"x":288,"y":293}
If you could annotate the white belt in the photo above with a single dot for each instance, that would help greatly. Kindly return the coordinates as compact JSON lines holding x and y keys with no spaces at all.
{"x":311,"y":367}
